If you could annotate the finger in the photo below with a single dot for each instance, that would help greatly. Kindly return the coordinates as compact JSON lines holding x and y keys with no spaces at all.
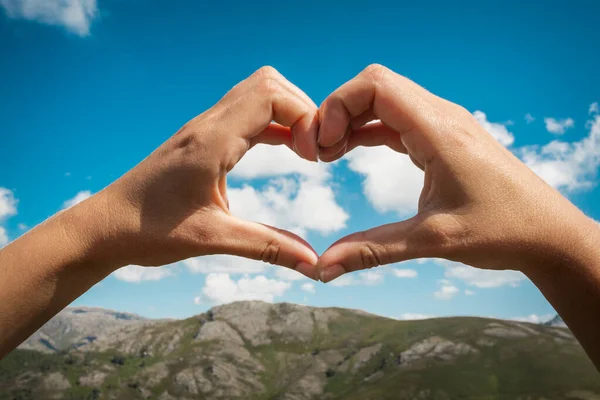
{"x":269,"y":244}
{"x":375,"y":134}
{"x":274,"y":135}
{"x":386,"y":244}
{"x":398,"y":102}
{"x":267,"y":96}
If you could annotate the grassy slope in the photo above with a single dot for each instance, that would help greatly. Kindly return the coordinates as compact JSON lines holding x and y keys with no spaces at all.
{"x":532,"y":366}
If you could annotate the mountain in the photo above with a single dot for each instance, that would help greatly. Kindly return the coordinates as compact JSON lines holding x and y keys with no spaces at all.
{"x":556,"y":321}
{"x":76,"y":326}
{"x":255,"y":350}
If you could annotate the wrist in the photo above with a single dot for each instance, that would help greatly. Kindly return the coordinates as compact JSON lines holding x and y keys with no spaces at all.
{"x":92,"y":230}
{"x":572,"y":247}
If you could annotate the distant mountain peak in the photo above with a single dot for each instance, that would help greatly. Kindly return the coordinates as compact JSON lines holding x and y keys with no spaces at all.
{"x":556,"y":321}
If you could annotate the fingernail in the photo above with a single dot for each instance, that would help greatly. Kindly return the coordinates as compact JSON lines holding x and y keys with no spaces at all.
{"x":307,"y":270}
{"x":330,"y":273}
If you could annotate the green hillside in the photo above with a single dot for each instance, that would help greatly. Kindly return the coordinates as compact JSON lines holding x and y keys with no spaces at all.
{"x":254,"y":350}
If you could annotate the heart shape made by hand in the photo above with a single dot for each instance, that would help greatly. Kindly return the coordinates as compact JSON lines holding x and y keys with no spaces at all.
{"x":468,"y":178}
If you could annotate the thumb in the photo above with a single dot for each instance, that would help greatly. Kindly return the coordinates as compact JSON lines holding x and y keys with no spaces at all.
{"x":269,"y":244}
{"x":414,"y":238}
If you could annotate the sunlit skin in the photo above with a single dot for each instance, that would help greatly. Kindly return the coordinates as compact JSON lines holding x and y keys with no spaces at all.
{"x":480,"y":204}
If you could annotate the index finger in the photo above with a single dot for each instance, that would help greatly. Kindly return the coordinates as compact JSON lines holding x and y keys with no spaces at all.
{"x":398,"y":102}
{"x":267,"y":96}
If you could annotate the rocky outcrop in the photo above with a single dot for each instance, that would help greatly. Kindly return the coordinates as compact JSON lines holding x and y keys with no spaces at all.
{"x":78,"y":326}
{"x":436,"y":348}
{"x":294,"y":352}
{"x":219,"y":331}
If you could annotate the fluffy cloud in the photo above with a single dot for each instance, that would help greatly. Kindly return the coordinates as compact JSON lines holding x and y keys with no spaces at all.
{"x":497,"y":130}
{"x":75,"y":16}
{"x":369,"y":278}
{"x":415,"y":316}
{"x":79,"y":197}
{"x":469,"y":292}
{"x":594,"y":109}
{"x":8,"y":203}
{"x":529,"y":118}
{"x":269,"y":161}
{"x":3,"y":237}
{"x":224,"y":264}
{"x":8,"y":208}
{"x":298,"y":206}
{"x":567,"y":166}
{"x":533,"y":318}
{"x":287,"y":274}
{"x":308,"y":287}
{"x":446,"y":291}
{"x":404,"y":273}
{"x":558,"y":127}
{"x":220,"y":289}
{"x":398,"y":191}
{"x":480,"y":278}
{"x":136,"y":274}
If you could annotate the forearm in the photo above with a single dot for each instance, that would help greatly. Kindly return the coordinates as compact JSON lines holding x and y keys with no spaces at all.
{"x":571,"y":283}
{"x":50,"y":266}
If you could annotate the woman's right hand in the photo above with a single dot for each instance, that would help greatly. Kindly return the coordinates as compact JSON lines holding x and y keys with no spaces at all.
{"x":480,"y":204}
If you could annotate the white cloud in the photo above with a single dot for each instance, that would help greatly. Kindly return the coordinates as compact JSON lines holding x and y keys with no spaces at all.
{"x":567,"y":166}
{"x":533,"y":318}
{"x":75,"y":16}
{"x":8,"y":208}
{"x":298,"y":206}
{"x":288,"y":274}
{"x":497,"y":130}
{"x":224,"y":264}
{"x":344,"y":280}
{"x":8,"y":203}
{"x":529,"y":118}
{"x":558,"y":127}
{"x":268,"y":161}
{"x":22,"y":227}
{"x":3,"y":237}
{"x":446,"y":292}
{"x":369,"y":278}
{"x":136,"y":274}
{"x":481,"y":278}
{"x":469,"y":292}
{"x":220,"y":289}
{"x":415,"y":316}
{"x":398,"y":191}
{"x":594,"y":109}
{"x":308,"y":287}
{"x":404,"y":273}
{"x":79,"y":197}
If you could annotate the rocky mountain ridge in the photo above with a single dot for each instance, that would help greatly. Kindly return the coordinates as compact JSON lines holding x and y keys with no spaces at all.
{"x":256,"y":350}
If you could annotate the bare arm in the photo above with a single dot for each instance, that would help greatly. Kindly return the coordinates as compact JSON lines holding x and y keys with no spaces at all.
{"x":170,"y":207}
{"x":480,"y":204}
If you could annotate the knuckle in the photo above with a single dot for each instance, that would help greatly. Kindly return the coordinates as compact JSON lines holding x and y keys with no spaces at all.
{"x":270,"y":254}
{"x":371,"y":255}
{"x":376,"y":72}
{"x":268,"y":86}
{"x":267,"y":71}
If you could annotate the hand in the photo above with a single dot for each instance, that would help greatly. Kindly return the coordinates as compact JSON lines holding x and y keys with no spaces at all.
{"x":174,"y":204}
{"x":480,"y":205}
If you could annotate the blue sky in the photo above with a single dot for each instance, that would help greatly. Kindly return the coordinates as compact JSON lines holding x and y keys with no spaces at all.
{"x":87,"y":92}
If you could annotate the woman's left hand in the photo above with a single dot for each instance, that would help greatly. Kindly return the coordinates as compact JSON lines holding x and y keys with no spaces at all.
{"x":174,"y":205}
